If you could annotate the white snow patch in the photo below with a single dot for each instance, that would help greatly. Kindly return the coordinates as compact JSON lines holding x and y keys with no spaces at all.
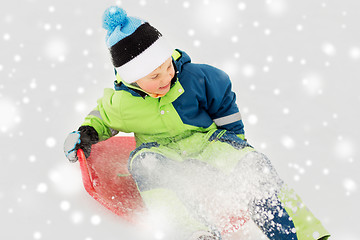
{"x":263,"y":145}
{"x":81,"y":107}
{"x":42,"y":188}
{"x":276,"y":7}
{"x":191,"y":32}
{"x":65,"y":205}
{"x":211,"y":15}
{"x":308,"y":163}
{"x":267,"y":31}
{"x":77,"y":217}
{"x":26,"y":100}
{"x":33,"y":84}
{"x":313,"y":83}
{"x":354,"y":53}
{"x":230,"y":67}
{"x":349,"y":185}
{"x":53,"y":88}
{"x":51,"y":9}
{"x":242,"y":6}
{"x":234,"y":39}
{"x":344,"y":149}
{"x":290,"y":59}
{"x":288,"y":142}
{"x":95,"y":220}
{"x":56,"y":49}
{"x":159,"y":235}
{"x":248,"y":70}
{"x":6,"y":37}
{"x":197,"y":43}
{"x":286,"y":111}
{"x":329,"y":49}
{"x":66,"y":178}
{"x":252,"y":119}
{"x":37,"y":235}
{"x":50,"y":142}
{"x":47,"y":26}
{"x":80,"y":90}
{"x":266,"y":69}
{"x":347,"y":235}
{"x":17,"y":58}
{"x":299,"y":27}
{"x":11,"y":118}
{"x":89,"y":32}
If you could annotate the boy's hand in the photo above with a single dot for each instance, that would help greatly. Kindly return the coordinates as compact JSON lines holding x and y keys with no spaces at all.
{"x":81,"y":139}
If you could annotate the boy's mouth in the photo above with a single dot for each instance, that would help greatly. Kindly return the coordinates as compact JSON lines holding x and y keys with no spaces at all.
{"x":164,"y":87}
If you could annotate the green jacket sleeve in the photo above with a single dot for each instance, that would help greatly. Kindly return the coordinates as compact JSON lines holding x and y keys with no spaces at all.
{"x":106,"y":117}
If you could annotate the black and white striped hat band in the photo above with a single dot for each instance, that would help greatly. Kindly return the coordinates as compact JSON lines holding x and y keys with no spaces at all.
{"x":138,"y":54}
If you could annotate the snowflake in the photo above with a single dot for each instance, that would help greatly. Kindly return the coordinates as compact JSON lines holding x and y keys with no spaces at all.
{"x":50,"y":142}
{"x":329,"y":49}
{"x":242,"y":6}
{"x":42,"y":188}
{"x":95,"y":220}
{"x":65,"y":205}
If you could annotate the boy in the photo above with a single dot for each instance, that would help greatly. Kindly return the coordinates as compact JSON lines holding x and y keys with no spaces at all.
{"x":192,"y":165}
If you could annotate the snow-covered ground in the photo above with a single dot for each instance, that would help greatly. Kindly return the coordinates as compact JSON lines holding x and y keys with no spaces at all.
{"x":295,"y":66}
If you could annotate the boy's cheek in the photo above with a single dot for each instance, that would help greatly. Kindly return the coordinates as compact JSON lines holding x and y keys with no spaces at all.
{"x":151,"y":87}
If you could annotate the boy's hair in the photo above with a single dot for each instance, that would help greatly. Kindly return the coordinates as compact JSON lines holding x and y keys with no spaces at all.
{"x":135,"y":84}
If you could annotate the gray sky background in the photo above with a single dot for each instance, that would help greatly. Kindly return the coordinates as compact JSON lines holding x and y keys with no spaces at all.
{"x":295,"y":66}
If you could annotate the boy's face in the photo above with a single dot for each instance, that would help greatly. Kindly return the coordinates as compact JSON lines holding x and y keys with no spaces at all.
{"x":158,"y":81}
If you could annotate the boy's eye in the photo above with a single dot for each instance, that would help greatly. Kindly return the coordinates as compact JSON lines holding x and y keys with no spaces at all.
{"x":155,"y":76}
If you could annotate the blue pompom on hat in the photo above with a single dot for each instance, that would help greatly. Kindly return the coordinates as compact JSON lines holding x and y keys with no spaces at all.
{"x":136,"y":47}
{"x":113,"y":17}
{"x":118,"y":24}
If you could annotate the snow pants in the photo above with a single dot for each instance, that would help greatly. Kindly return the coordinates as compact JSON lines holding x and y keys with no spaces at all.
{"x":203,"y":182}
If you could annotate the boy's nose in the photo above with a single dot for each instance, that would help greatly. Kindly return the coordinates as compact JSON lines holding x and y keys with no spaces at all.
{"x":171,"y":73}
{"x":169,"y":77}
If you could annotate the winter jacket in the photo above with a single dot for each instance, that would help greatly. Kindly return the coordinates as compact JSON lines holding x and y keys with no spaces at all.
{"x":200,"y":99}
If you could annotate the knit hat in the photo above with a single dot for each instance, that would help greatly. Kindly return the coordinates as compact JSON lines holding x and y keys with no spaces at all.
{"x":136,"y":47}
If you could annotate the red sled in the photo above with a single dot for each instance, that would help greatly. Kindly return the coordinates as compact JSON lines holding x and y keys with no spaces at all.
{"x":106,"y":178}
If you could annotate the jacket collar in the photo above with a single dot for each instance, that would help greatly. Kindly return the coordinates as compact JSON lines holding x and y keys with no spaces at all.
{"x":180,"y":58}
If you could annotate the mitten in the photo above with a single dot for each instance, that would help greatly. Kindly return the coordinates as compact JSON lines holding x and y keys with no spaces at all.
{"x":83,"y":138}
